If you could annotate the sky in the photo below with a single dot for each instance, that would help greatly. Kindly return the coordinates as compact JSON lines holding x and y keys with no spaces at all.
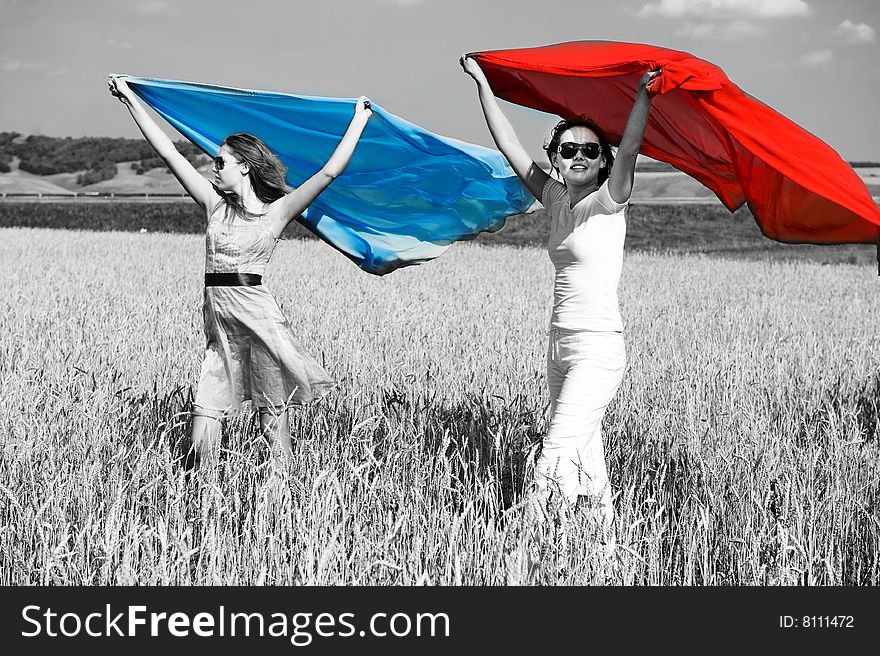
{"x":815,"y":61}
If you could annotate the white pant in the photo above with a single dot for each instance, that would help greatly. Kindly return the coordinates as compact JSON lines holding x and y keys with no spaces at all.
{"x":584,"y":370}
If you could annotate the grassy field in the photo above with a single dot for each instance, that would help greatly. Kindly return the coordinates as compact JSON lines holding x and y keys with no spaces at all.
{"x":743,"y":443}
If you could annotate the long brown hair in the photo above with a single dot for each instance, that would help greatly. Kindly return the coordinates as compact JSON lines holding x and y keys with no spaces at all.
{"x":267,"y":174}
{"x":552,"y":144}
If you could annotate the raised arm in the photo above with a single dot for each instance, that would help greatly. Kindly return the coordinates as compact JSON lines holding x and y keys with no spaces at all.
{"x":295,"y":203}
{"x":620,"y":182}
{"x":195,"y":184}
{"x":502,"y":132}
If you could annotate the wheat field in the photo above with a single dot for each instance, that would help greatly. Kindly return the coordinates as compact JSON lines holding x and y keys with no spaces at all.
{"x":743,"y":443}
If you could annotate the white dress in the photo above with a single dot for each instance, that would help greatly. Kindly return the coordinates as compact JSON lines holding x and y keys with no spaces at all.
{"x":252,"y":352}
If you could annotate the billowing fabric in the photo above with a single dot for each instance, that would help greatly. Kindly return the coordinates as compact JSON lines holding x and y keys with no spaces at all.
{"x":797,"y":187}
{"x":406,"y":195}
{"x":252,"y":352}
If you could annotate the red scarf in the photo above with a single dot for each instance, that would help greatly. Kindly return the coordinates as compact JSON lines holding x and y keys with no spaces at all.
{"x":797,"y":187}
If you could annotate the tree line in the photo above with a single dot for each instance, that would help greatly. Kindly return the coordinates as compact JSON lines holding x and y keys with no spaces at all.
{"x":95,"y":158}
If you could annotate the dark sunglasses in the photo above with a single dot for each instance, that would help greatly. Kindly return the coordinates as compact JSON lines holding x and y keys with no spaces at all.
{"x":219,"y":163}
{"x":569,"y":149}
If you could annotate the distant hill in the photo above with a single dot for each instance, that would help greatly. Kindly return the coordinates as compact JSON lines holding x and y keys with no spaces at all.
{"x":92,"y":159}
{"x":127,"y":177}
{"x":20,"y":182}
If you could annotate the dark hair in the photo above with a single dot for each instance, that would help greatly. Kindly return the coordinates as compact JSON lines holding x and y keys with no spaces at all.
{"x":267,"y":174}
{"x":552,"y":144}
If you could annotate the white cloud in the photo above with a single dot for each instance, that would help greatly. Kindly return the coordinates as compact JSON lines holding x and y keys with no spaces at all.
{"x":739,"y":29}
{"x":726,"y":8}
{"x":15,"y":65}
{"x":850,"y":32}
{"x":815,"y":58}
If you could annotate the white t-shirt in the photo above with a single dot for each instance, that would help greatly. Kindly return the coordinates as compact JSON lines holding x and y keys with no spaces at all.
{"x":586,"y":248}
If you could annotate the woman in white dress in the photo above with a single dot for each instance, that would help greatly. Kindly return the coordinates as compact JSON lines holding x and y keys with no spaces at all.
{"x":251,"y":352}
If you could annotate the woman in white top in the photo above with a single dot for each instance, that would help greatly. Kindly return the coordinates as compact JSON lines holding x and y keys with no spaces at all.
{"x":586,"y":355}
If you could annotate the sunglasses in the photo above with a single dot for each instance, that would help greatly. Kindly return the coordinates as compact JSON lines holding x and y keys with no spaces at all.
{"x":219,"y":163}
{"x":569,"y":149}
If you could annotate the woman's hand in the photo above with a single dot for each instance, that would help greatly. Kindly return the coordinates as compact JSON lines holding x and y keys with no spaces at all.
{"x":502,"y":131}
{"x":651,"y":81}
{"x":472,"y":68}
{"x":362,"y":108}
{"x":196,"y":185}
{"x":119,"y":88}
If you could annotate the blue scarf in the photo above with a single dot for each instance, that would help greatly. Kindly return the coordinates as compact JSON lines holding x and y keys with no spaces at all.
{"x":406,"y":195}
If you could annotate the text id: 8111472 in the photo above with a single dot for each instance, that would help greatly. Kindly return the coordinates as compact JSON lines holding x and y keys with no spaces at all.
{"x":817,"y":622}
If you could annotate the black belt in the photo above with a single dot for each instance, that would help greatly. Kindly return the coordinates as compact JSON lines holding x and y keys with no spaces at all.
{"x":233,"y":280}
